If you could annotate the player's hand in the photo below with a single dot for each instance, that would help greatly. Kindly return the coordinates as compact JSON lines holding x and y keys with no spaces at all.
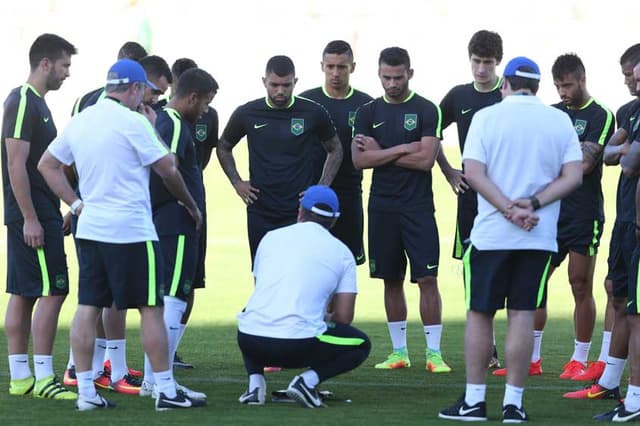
{"x":148,"y":112}
{"x":196,"y":215}
{"x":33,"y":233}
{"x":248,"y":193}
{"x":66,"y":224}
{"x":366,"y":143}
{"x":524,"y":217}
{"x":456,"y":179}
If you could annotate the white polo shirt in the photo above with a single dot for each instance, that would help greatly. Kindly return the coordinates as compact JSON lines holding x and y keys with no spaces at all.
{"x":112,"y":148}
{"x":523,"y":144}
{"x":297,"y":269}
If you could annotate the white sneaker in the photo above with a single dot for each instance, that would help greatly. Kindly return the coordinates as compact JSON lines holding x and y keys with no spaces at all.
{"x":149,"y":389}
{"x":85,"y":404}
{"x":255,"y":397}
{"x":190,"y":393}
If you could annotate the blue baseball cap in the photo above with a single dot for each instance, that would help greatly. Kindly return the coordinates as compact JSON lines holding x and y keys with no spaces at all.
{"x":321,"y":200}
{"x":127,"y":71}
{"x":514,"y":68}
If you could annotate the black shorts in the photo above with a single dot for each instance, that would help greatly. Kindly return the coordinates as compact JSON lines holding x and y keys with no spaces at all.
{"x":131,"y":275}
{"x":466,"y":214}
{"x":350,"y":225}
{"x":180,"y":259}
{"x":634,"y":282}
{"x":394,"y":236}
{"x":519,"y":276}
{"x":37,"y":272}
{"x":199,"y":277}
{"x":578,"y":236}
{"x":621,"y":246}
{"x":258,"y":225}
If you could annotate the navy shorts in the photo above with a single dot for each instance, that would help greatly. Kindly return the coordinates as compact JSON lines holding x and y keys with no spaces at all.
{"x":396,"y":236}
{"x":633,"y":307}
{"x":578,"y":236}
{"x":466,"y":214}
{"x":621,"y":246}
{"x":37,"y":272}
{"x":180,"y":260}
{"x":131,"y":275}
{"x":258,"y":225}
{"x":349,"y":226}
{"x":519,"y":276}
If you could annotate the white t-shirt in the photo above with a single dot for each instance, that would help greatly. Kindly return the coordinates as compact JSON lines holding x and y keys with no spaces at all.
{"x":523,"y":144}
{"x":297,"y":269}
{"x":112,"y":148}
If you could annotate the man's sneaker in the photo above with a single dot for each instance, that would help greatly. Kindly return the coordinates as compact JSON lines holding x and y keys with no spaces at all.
{"x":51,"y":388}
{"x":396,"y":359}
{"x":148,"y":389}
{"x":179,"y":363}
{"x":435,"y":363}
{"x":622,"y":415}
{"x":513,"y":414}
{"x":103,"y":381}
{"x":255,"y":397}
{"x":494,"y":362}
{"x":571,"y":369}
{"x":22,"y":387}
{"x":85,"y":404}
{"x":535,"y":369}
{"x":592,"y":373}
{"x":69,"y":378}
{"x":129,"y":385}
{"x":608,"y":416}
{"x":181,"y":400}
{"x":106,"y":368}
{"x":303,"y":394}
{"x":466,"y":413}
{"x":190,"y":393}
{"x":594,"y":391}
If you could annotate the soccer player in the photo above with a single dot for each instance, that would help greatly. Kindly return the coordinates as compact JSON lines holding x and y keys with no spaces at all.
{"x":120,"y":260}
{"x":398,"y":136}
{"x":179,"y":238}
{"x":516,"y":147}
{"x":459,"y":106}
{"x":159,"y":74}
{"x":281,"y":130}
{"x":37,"y":277}
{"x":284,"y":320}
{"x":341,"y":101}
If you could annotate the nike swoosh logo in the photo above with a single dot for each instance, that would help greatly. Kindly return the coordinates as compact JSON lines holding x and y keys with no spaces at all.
{"x":430,"y":267}
{"x":22,"y":362}
{"x":260,"y":126}
{"x":113,"y":348}
{"x":464,"y":111}
{"x":376,"y":125}
{"x":185,"y":404}
{"x":174,"y":328}
{"x":464,"y":412}
{"x":40,"y":362}
{"x":359,"y":257}
{"x":595,"y":394}
{"x":45,"y":119}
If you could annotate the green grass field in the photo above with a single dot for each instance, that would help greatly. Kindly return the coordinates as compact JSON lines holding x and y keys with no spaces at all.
{"x":403,"y":397}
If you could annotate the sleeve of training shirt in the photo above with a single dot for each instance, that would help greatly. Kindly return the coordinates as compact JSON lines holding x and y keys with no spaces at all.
{"x":348,"y":281}
{"x":325,"y":129}
{"x":144,"y":140}
{"x":61,"y":149}
{"x":235,"y":129}
{"x":473,"y":146}
{"x":362,"y":122}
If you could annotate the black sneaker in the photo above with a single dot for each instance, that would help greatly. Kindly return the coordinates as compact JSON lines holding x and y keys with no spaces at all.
{"x":255,"y":397}
{"x":608,"y":416}
{"x":86,"y":404}
{"x":303,"y":394}
{"x":179,"y":363}
{"x":181,"y":400}
{"x":513,"y":414}
{"x":466,"y":413}
{"x":622,"y":415}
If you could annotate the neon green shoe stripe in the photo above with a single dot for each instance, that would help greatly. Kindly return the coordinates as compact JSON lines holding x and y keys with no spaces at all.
{"x":340,"y":341}
{"x":44,"y":271}
{"x":177,"y":269}
{"x":151,"y":265}
{"x":466,"y":264}
{"x":543,"y":282}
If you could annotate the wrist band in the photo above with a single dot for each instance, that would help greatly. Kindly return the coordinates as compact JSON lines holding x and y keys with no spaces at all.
{"x":74,"y":206}
{"x":535,"y":203}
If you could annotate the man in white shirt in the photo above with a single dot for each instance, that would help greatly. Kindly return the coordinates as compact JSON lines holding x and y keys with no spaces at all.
{"x":299,"y":270}
{"x":522,"y":157}
{"x":119,"y":256}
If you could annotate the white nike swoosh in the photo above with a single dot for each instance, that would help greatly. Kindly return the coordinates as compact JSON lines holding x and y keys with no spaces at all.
{"x":186,"y":403}
{"x":464,"y":412}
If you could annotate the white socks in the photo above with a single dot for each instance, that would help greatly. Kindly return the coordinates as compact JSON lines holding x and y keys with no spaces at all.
{"x":537,"y":346}
{"x":174,"y":309}
{"x":581,"y":351}
{"x":604,"y":348}
{"x":19,"y":366}
{"x":166,"y":383}
{"x":512,"y":396}
{"x":97,"y":363}
{"x":117,"y":354}
{"x":86,"y":387}
{"x":398,"y":333}
{"x":43,"y":366}
{"x":474,"y":394}
{"x":612,"y":373}
{"x":310,"y":378}
{"x":432,"y":334}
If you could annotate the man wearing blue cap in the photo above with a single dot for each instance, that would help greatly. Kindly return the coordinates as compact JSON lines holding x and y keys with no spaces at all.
{"x":522,"y":157}
{"x":284,"y":320}
{"x":119,"y":256}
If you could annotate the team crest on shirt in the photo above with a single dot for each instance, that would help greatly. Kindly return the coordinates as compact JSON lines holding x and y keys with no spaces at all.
{"x":61,"y":281}
{"x":580,"y":126}
{"x":201,"y":132}
{"x":352,"y":118}
{"x":297,"y":126}
{"x":410,"y":121}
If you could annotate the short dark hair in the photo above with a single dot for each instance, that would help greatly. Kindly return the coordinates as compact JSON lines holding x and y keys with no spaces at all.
{"x":195,"y":80}
{"x":518,"y":83}
{"x":486,"y":44}
{"x":281,"y":66}
{"x":395,"y":56}
{"x":309,"y":216}
{"x":132,"y":50}
{"x":338,"y":47}
{"x":50,"y":46}
{"x":566,"y":64}
{"x":631,"y":55}
{"x":181,"y":65}
{"x":156,"y":67}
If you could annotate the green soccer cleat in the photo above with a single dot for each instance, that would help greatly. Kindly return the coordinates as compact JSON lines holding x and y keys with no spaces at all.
{"x":435,"y":363}
{"x":397,"y":359}
{"x":51,"y":388}
{"x":21,"y":387}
